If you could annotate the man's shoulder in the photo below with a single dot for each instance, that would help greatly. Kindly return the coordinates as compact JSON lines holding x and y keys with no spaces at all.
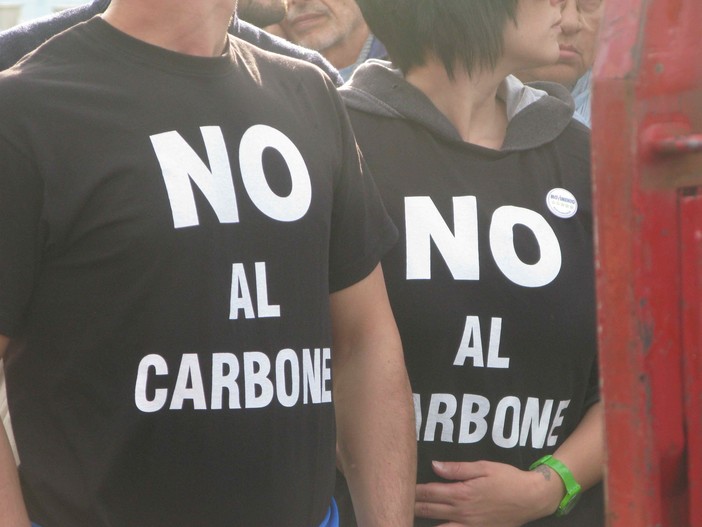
{"x":58,"y":60}
{"x":20,"y":40}
{"x":273,"y":44}
{"x":283,"y":76}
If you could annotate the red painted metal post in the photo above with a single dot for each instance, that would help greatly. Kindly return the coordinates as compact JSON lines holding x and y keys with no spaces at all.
{"x":691,"y":209}
{"x":647,"y":120}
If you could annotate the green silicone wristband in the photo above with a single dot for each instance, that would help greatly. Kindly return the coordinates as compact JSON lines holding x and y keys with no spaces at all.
{"x":572,"y":487}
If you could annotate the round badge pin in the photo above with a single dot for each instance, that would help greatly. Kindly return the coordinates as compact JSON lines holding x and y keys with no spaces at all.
{"x":561,"y":202}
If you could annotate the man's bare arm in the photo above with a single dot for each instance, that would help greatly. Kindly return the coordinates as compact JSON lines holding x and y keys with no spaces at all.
{"x":374,"y":409}
{"x":14,"y":513}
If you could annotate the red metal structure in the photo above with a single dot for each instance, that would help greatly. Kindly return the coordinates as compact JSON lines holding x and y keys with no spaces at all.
{"x":647,"y":166}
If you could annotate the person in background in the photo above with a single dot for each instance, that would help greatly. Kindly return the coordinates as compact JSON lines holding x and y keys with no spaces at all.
{"x":578,"y":47}
{"x":277,"y":30}
{"x":492,"y":283}
{"x":161,"y":185}
{"x":336,"y":29}
{"x":20,"y":40}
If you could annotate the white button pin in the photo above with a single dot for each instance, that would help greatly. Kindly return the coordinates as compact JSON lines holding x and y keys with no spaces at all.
{"x":562,"y":203}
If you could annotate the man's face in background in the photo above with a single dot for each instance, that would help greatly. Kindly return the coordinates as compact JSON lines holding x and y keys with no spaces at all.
{"x":335,"y":28}
{"x":578,"y":44}
{"x":262,"y":13}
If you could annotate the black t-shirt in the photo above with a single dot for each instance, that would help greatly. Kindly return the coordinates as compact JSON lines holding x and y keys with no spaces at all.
{"x":492,"y":286}
{"x":170,"y":230}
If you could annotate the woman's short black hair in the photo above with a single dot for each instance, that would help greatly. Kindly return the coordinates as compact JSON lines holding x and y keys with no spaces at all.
{"x":464,"y":33}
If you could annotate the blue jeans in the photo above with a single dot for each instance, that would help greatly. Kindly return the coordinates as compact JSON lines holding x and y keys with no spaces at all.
{"x":332,"y":517}
{"x":330,"y":520}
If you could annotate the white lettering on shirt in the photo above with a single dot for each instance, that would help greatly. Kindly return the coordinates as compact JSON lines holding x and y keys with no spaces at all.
{"x":181,"y":166}
{"x":459,"y":249}
{"x":472,"y":347}
{"x":289,"y":379}
{"x":513,"y":422}
{"x":537,"y":274}
{"x":424,"y":223}
{"x":240,"y":299}
{"x":288,"y":208}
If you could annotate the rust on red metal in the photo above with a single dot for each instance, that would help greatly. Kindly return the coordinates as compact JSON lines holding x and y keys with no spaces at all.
{"x":647,"y":177}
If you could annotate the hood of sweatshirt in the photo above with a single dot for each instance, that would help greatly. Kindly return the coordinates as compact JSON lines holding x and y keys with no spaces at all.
{"x":537,"y":112}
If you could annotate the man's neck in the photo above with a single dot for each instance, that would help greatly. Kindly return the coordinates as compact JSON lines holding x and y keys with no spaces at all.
{"x":346,"y":52}
{"x":190,"y":27}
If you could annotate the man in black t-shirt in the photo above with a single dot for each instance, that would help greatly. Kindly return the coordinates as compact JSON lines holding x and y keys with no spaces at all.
{"x":20,"y":40}
{"x":189,"y":248}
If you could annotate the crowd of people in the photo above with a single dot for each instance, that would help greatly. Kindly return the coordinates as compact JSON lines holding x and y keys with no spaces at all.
{"x":299,"y":263}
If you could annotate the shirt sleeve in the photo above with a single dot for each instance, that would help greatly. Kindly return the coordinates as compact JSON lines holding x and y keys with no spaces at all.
{"x":19,"y":40}
{"x":362,"y":231}
{"x":20,"y":220}
{"x":592,"y":395}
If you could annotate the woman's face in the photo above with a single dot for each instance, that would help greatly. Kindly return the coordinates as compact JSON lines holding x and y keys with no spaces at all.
{"x":532,"y":40}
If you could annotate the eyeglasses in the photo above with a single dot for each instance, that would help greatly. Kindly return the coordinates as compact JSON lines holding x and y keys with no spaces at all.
{"x":588,"y":6}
